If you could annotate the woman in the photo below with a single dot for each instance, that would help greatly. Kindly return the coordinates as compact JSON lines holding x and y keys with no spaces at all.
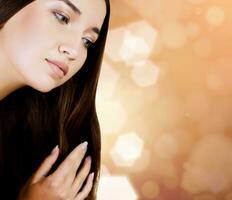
{"x":50,"y":57}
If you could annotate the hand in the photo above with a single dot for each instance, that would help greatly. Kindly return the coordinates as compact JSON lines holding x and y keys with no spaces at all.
{"x":63,"y":183}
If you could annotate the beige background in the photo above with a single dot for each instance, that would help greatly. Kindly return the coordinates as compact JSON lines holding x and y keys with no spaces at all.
{"x":165,"y":101}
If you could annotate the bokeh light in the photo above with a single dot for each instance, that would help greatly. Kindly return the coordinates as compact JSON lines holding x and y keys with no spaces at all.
{"x":215,"y":16}
{"x":164,"y":100}
{"x":127,"y":149}
{"x":138,"y":42}
{"x":115,"y":188}
{"x":165,"y":146}
{"x":166,"y":169}
{"x":219,"y":77}
{"x":131,"y":43}
{"x":145,"y":73}
{"x":112,"y":116}
{"x":209,"y":165}
{"x":142,"y":163}
{"x":150,"y":189}
{"x":107,"y":85}
{"x":114,"y":43}
{"x":173,"y":35}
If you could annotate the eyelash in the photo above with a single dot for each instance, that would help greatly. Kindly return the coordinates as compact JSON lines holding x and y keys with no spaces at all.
{"x":56,"y":14}
{"x":66,"y":21}
{"x":89,"y":43}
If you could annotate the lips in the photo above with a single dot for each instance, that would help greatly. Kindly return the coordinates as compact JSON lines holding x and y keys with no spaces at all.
{"x":62,"y":66}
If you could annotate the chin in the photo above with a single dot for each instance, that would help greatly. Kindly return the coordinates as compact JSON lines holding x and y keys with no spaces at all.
{"x":41,"y":89}
{"x":42,"y":85}
{"x":44,"y":90}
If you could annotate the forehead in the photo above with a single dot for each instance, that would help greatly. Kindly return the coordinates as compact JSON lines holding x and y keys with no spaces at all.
{"x":92,"y":11}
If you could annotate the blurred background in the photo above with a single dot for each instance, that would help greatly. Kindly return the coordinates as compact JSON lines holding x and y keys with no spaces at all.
{"x":164,"y":101}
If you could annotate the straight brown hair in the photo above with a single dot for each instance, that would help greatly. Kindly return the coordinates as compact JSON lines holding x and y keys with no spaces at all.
{"x":32,"y":122}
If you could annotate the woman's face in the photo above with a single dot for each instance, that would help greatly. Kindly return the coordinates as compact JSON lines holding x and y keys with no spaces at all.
{"x":51,"y":30}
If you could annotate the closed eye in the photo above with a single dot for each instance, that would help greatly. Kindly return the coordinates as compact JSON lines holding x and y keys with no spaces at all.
{"x":65,"y":20}
{"x":87,"y":42}
{"x":61,"y":18}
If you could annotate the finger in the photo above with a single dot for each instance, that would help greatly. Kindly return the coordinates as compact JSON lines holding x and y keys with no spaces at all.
{"x":82,"y":175}
{"x":86,"y":190}
{"x":71,"y":162}
{"x":46,"y":165}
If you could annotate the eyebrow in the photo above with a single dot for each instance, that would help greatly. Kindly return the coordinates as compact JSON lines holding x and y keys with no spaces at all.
{"x":72,"y":6}
{"x":96,"y":30}
{"x":76,"y":10}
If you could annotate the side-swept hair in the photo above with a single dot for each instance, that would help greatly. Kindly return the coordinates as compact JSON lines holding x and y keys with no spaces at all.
{"x":32,"y":122}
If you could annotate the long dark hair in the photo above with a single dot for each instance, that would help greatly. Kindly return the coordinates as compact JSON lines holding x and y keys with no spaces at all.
{"x":32,"y":122}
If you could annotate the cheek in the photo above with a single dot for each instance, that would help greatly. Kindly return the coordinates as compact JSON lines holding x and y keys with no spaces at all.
{"x":24,"y":36}
{"x":81,"y":58}
{"x":26,"y":40}
{"x":76,"y":66}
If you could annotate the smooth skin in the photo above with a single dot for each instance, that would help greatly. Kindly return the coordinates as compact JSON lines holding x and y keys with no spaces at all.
{"x":62,"y":184}
{"x":47,"y":29}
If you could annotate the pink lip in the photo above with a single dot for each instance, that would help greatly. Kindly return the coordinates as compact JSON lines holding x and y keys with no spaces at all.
{"x":59,"y":64}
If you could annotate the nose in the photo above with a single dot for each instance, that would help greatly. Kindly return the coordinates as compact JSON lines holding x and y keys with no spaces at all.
{"x":69,"y":50}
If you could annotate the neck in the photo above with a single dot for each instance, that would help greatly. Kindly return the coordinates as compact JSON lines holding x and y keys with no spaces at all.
{"x":6,"y":86}
{"x":9,"y":78}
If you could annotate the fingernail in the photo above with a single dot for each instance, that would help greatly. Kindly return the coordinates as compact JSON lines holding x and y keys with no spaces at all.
{"x":84,"y":146}
{"x":55,"y":149}
{"x":91,"y":175}
{"x":88,"y":159}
